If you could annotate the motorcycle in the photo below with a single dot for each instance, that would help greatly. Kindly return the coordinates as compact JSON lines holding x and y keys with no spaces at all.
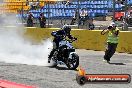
{"x":66,"y":55}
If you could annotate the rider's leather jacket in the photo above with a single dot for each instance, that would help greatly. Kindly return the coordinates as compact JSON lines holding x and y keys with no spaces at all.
{"x":60,"y":35}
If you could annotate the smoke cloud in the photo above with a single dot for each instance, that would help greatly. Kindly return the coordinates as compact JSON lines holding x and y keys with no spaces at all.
{"x":15,"y":49}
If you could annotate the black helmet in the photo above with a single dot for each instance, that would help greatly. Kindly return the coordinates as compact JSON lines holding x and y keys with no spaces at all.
{"x":66,"y":28}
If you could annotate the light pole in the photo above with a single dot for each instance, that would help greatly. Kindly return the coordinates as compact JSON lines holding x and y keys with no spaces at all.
{"x":125,"y":20}
{"x":114,"y":3}
{"x":78,"y":13}
{"x":48,"y":12}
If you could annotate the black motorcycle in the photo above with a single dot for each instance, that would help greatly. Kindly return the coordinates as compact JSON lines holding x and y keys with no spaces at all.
{"x":66,"y":55}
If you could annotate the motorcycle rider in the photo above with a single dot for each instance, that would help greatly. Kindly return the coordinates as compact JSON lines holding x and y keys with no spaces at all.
{"x":58,"y":36}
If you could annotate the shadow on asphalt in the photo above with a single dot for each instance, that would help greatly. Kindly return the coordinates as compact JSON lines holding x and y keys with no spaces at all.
{"x":117,"y":63}
{"x":63,"y":68}
{"x":7,"y":65}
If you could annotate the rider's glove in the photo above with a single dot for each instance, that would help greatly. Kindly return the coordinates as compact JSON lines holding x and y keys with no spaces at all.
{"x":74,"y":38}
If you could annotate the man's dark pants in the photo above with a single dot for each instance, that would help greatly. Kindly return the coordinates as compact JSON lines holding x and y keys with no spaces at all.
{"x":42,"y":25}
{"x":110,"y":51}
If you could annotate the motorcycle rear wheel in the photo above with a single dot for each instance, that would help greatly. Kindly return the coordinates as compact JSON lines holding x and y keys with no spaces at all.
{"x":54,"y":64}
{"x":54,"y":59}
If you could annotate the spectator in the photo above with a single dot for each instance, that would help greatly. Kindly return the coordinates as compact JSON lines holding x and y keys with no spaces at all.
{"x":30,"y":20}
{"x":83,"y":16}
{"x":91,"y":24}
{"x":112,"y":41}
{"x":74,"y":17}
{"x":42,"y":21}
{"x":129,"y":19}
{"x":33,"y":5}
{"x":66,"y":2}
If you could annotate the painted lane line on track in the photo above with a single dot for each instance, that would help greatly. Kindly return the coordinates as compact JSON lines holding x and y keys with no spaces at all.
{"x":8,"y":84}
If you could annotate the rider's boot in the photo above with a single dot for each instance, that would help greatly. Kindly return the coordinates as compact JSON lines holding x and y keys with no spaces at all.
{"x":49,"y":57}
{"x":48,"y":61}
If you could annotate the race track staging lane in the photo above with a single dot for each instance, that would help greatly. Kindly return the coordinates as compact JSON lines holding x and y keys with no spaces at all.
{"x":61,"y":77}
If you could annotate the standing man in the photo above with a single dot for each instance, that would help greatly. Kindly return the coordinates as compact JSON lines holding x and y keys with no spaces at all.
{"x":112,"y":41}
{"x":42,"y":21}
{"x":30,"y":20}
{"x":83,"y":16}
{"x":74,"y":17}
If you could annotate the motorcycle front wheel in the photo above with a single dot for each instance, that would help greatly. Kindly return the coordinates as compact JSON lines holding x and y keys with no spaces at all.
{"x":73,"y":63}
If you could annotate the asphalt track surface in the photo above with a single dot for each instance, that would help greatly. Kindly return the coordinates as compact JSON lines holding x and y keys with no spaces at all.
{"x":61,"y":77}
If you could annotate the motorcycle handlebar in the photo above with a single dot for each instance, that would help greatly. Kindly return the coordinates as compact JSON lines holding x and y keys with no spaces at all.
{"x":71,"y":40}
{"x":74,"y":39}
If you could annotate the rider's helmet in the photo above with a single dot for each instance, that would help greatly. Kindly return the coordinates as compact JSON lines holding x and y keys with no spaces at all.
{"x":66,"y":28}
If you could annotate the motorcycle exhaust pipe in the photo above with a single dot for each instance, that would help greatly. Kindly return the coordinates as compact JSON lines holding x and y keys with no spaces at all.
{"x":61,"y":63}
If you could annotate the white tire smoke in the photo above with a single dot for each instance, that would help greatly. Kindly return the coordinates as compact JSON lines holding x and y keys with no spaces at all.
{"x":13,"y":47}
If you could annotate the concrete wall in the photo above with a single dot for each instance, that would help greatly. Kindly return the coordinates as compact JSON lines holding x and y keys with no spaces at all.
{"x":87,"y":39}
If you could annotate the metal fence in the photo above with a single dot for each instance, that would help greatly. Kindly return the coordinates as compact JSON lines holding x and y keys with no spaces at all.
{"x":62,"y":12}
